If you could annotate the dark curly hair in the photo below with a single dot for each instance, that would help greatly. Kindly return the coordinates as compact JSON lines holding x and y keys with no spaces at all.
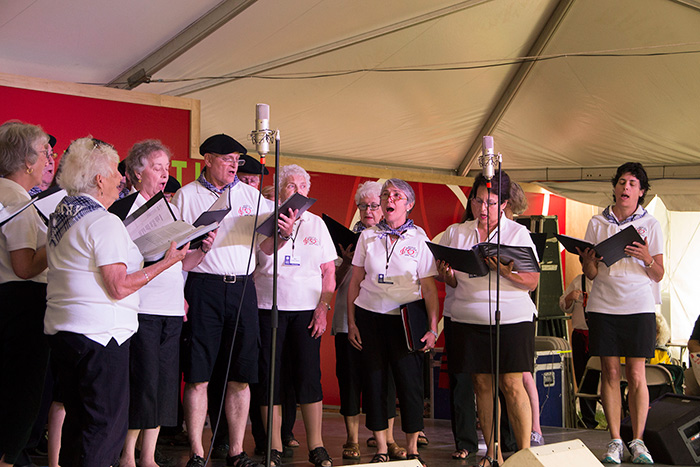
{"x":637,"y":170}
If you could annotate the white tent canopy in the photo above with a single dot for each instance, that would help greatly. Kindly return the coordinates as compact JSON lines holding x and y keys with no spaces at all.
{"x":569,"y":89}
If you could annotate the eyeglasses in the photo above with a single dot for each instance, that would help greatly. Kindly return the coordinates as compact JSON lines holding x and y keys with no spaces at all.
{"x":46,"y":152}
{"x":392,"y":196}
{"x":230,"y":160}
{"x":481,"y":202}
{"x":371,"y":207}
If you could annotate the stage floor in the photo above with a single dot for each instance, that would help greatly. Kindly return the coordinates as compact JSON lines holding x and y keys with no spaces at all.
{"x":437,"y":454}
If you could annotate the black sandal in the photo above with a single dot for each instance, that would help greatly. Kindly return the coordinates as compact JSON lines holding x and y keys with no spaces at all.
{"x":275,"y":458}
{"x":241,"y":460}
{"x":320,"y":458}
{"x":380,"y":457}
{"x":481,"y":462}
{"x":416,"y":457}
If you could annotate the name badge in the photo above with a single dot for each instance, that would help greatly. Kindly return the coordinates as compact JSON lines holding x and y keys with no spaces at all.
{"x":384,"y":280}
{"x":290,"y":260}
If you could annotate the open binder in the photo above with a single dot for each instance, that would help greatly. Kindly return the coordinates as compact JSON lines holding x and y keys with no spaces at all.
{"x":153,"y":226}
{"x":340,"y":234}
{"x":46,"y":203}
{"x":473,"y":261}
{"x":296,"y":201}
{"x":611,"y":249}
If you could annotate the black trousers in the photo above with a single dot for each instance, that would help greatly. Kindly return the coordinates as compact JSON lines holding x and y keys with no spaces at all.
{"x":24,"y":356}
{"x":384,"y":351}
{"x":462,"y":403}
{"x":579,"y":350}
{"x":95,"y":382}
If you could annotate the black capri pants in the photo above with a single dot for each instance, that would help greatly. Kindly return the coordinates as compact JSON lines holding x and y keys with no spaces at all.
{"x":302,"y":351}
{"x":384,"y":350}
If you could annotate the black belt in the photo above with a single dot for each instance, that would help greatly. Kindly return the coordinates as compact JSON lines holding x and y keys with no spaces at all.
{"x":215,"y":277}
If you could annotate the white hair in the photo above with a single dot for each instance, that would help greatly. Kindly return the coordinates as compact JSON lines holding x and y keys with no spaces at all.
{"x":287,"y":171}
{"x":368,"y":189}
{"x":82,"y":162}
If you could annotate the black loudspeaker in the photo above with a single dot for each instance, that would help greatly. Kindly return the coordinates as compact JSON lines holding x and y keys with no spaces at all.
{"x":672,"y":432}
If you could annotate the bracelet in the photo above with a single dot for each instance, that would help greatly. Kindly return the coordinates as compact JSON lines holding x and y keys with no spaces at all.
{"x":145,"y":274}
{"x":328,"y":307}
{"x":282,"y":237}
{"x":201,"y":247}
{"x":433,"y":333}
{"x":648,"y":266}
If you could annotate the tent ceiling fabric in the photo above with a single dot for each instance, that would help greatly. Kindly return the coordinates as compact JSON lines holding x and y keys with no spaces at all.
{"x":571,"y":112}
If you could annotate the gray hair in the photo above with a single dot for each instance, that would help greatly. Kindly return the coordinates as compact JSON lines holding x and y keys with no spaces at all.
{"x":82,"y":162}
{"x":368,"y":189}
{"x":287,"y":171}
{"x":139,"y":155}
{"x":403,"y":187}
{"x":16,"y":145}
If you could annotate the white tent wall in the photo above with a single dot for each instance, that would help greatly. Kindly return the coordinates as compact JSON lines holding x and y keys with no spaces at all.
{"x":682,"y":250}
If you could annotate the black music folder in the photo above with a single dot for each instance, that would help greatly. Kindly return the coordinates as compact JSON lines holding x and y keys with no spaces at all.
{"x":611,"y":249}
{"x":473,"y":261}
{"x":414,"y":316}
{"x":296,"y":201}
{"x":340,"y":234}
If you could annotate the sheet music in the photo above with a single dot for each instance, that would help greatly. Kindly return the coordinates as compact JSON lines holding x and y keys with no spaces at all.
{"x":152,"y":245}
{"x":155,"y":217}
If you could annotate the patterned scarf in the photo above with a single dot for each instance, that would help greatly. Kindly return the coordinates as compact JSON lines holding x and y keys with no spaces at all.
{"x":385,"y":230}
{"x":214,"y":189}
{"x":610,"y":217}
{"x":69,"y":211}
{"x":358,"y":227}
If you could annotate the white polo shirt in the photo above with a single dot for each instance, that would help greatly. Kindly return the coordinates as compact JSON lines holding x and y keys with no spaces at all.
{"x":299,"y":267}
{"x":77,"y":299}
{"x":624,"y":288}
{"x":231,"y":249}
{"x":409,"y":261}
{"x":26,"y":230}
{"x":469,"y":301}
{"x":164,"y":295}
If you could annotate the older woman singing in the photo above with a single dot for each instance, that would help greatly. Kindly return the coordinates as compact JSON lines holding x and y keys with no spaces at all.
{"x":392,"y":266}
{"x":23,"y":348}
{"x":94,"y":275}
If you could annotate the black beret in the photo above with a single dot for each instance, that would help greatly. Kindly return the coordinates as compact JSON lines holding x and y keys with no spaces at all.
{"x":172,"y":185}
{"x":52,"y":141}
{"x":122,"y":167}
{"x":221,"y":144}
{"x":251,"y":166}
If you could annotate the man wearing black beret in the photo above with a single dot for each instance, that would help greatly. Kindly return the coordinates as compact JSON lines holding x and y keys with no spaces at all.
{"x":249,"y":173}
{"x":214,"y":289}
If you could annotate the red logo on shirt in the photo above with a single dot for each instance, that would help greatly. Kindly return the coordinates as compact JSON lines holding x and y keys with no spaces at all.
{"x":311,"y":241}
{"x":409,"y":251}
{"x":245,"y":210}
{"x":642,"y":231}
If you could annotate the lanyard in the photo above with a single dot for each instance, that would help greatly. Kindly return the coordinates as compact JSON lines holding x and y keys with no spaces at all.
{"x":389,"y":253}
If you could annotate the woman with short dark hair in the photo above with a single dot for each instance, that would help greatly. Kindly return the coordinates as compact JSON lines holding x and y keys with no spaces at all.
{"x":622,"y":304}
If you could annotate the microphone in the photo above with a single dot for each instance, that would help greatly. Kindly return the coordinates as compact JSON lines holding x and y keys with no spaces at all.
{"x":262,"y":128}
{"x":488,"y":159}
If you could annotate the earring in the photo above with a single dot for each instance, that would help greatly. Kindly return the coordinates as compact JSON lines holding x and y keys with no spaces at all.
{"x":29,"y":170}
{"x":101,"y":193}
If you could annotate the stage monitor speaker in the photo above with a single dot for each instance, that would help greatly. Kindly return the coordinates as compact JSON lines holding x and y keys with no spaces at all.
{"x":569,"y":453}
{"x":411,"y":463}
{"x":672,"y":433}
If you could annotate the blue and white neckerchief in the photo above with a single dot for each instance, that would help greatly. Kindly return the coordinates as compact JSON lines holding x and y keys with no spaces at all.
{"x":205,"y":183}
{"x":69,"y":211}
{"x":610,"y":217}
{"x":358,"y":227}
{"x":385,"y":230}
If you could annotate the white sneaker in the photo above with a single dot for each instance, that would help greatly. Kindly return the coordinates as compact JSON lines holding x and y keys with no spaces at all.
{"x":614,"y":453}
{"x":640,"y":453}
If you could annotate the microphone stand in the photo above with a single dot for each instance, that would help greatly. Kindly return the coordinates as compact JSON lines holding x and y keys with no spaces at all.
{"x":496,"y":419}
{"x":274,"y":315}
